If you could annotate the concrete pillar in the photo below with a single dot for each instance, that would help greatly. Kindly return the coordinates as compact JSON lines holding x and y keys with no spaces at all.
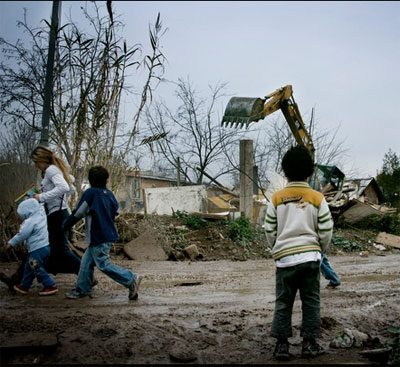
{"x":246,"y":179}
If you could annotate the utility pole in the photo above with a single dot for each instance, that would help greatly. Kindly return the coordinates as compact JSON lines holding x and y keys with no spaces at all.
{"x":48,"y":88}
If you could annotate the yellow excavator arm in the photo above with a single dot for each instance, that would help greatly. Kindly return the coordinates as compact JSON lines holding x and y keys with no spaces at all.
{"x":242,"y":111}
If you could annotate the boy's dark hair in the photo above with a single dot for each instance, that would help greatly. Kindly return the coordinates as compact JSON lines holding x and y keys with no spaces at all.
{"x":297,"y":163}
{"x":98,"y":176}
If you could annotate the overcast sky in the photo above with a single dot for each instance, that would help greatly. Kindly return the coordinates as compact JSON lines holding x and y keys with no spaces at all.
{"x":342,"y":58}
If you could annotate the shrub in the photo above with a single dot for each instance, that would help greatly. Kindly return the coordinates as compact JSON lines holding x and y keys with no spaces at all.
{"x":389,"y":223}
{"x":191,"y":221}
{"x":241,"y":230}
{"x":347,"y":245}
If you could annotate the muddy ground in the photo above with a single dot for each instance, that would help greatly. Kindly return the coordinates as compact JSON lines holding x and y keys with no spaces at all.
{"x":216,"y":309}
{"x":213,"y":312}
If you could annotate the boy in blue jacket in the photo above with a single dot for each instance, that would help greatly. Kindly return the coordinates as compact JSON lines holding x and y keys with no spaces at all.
{"x":34,"y":232}
{"x":99,"y":207}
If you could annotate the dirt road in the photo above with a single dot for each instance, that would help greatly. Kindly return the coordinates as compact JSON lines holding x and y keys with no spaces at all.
{"x":201,"y":312}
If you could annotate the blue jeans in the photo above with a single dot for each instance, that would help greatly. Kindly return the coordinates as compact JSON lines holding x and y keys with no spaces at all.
{"x":99,"y":255}
{"x":304,"y":278}
{"x":328,"y":272}
{"x":34,"y":268}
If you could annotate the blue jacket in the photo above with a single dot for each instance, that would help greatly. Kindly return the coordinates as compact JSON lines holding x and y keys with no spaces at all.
{"x":99,"y":207}
{"x":33,"y":229}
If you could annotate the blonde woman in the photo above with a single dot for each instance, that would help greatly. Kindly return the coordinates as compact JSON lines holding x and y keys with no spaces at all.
{"x":55,"y":187}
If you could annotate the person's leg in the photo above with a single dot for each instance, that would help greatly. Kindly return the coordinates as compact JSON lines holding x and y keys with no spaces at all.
{"x":29,"y":275}
{"x":62,"y":259}
{"x":37,"y":259}
{"x":85,"y":275}
{"x":328,"y":272}
{"x":285,"y":290}
{"x":310,"y":301}
{"x":101,"y":255}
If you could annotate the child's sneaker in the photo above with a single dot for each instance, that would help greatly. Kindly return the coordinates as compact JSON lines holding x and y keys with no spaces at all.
{"x":311,"y":350}
{"x":281,"y":352}
{"x":74,"y":294}
{"x":48,"y":291}
{"x":18,"y":288}
{"x":134,"y":287}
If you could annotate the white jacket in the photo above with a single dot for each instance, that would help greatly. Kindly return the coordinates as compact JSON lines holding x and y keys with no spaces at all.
{"x":54,"y":189}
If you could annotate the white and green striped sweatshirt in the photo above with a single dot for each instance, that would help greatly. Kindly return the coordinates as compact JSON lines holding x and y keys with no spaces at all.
{"x":298,"y":222}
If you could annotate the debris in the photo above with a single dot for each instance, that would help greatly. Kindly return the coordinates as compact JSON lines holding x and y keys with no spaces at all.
{"x":388,"y":239}
{"x":349,"y":338}
{"x":379,"y":247}
{"x":145,"y":247}
{"x":211,"y":216}
{"x":358,"y":210}
{"x":191,"y":251}
{"x":181,"y":352}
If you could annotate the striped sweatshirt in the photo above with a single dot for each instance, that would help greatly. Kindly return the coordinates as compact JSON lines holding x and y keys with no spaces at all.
{"x":298,"y":222}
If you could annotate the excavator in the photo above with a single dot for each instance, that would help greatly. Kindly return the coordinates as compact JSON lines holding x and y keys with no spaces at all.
{"x":241,"y":111}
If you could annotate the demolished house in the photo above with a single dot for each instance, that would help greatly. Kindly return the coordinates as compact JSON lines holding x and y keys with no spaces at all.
{"x":357,"y":199}
{"x":349,"y":200}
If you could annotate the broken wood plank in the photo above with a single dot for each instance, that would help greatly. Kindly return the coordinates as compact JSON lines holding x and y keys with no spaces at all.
{"x":220,"y":216}
{"x":388,"y":239}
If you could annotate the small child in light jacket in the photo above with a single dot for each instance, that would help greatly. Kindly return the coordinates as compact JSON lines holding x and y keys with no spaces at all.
{"x":34,"y":232}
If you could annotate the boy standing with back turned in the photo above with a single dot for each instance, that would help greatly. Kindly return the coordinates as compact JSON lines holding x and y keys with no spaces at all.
{"x":99,"y":207}
{"x":299,"y":226}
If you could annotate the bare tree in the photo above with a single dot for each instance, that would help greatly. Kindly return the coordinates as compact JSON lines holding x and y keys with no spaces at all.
{"x":89,"y":81}
{"x":193,"y":133}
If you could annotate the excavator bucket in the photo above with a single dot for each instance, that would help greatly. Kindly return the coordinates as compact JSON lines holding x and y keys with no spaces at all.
{"x":243,"y":110}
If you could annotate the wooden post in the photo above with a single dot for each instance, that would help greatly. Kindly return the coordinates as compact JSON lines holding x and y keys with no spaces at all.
{"x":246,"y":179}
{"x":178,"y":173}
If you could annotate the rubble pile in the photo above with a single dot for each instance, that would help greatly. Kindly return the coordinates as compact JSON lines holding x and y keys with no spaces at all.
{"x":356,"y":200}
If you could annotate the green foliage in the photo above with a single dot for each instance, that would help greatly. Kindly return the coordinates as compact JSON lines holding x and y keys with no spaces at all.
{"x":191,"y":221}
{"x":347,"y":245}
{"x":389,"y":179}
{"x":389,"y":223}
{"x":241,"y":230}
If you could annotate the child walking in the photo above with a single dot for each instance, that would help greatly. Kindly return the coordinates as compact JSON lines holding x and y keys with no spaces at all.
{"x":99,"y":207}
{"x":299,"y":227}
{"x":33,"y":230}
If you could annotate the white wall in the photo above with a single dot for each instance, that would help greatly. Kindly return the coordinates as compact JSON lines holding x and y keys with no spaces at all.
{"x":161,"y":200}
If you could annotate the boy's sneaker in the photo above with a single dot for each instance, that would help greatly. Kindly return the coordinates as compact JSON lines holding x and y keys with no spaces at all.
{"x":134,"y":287}
{"x":332,"y":286}
{"x":18,"y":288}
{"x":74,"y":294}
{"x":311,"y":350}
{"x":49,"y":291}
{"x":281,"y":352}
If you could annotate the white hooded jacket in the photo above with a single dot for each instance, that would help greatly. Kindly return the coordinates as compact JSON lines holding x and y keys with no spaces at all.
{"x":33,"y":229}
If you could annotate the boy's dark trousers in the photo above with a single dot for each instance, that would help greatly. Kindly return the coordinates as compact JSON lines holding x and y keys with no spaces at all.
{"x":305,"y":278}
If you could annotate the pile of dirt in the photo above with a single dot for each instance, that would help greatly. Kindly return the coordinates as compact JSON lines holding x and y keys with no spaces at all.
{"x":214,"y":242}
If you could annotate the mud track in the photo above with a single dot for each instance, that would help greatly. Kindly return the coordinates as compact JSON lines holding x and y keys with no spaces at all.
{"x":206,"y":312}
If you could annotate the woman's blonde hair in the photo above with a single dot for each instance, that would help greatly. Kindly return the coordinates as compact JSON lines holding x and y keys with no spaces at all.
{"x":45,"y":155}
